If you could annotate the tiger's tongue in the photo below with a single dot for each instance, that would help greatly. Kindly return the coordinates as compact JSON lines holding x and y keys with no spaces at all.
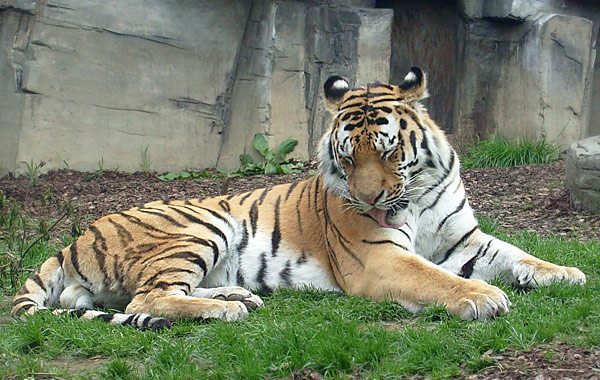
{"x":380,"y":216}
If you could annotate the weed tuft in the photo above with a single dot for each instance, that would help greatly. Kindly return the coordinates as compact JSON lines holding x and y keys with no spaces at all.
{"x":32,"y":171}
{"x":498,"y":151}
{"x":146,"y":162}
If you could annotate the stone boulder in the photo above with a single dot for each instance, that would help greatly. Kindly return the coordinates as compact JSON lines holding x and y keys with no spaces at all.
{"x":582,"y":169}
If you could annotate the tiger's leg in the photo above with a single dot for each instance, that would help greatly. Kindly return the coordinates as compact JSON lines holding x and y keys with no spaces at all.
{"x":414,"y":282}
{"x":486,"y":257}
{"x":167,"y":282}
{"x":230,"y":293}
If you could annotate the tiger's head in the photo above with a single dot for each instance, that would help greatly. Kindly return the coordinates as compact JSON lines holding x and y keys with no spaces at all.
{"x":380,"y":139}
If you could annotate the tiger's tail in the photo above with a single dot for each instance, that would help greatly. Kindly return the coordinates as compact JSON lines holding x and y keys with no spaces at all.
{"x":42,"y":291}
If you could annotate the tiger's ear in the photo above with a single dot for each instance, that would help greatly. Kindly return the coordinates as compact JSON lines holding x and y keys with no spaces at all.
{"x":333,"y":90}
{"x":413,"y":86}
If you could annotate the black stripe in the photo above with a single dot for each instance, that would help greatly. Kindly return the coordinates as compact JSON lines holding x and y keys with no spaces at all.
{"x":211,"y":227}
{"x":493,"y":257}
{"x":136,"y":220}
{"x":290,"y":189}
{"x":225,"y":205}
{"x":25,"y":308}
{"x":164,"y":285}
{"x":60,"y":258}
{"x":246,"y":197}
{"x":128,"y":321}
{"x":161,"y":215}
{"x":378,"y":94}
{"x":413,"y":141}
{"x":215,"y":214}
{"x":467,"y":269}
{"x":78,"y":313}
{"x":99,"y":252}
{"x":460,"y":207}
{"x":254,"y":216}
{"x":105,"y":317}
{"x":285,"y":274}
{"x":385,"y":242}
{"x":263,"y":196}
{"x":437,"y":199}
{"x":351,"y":105}
{"x":453,"y":248}
{"x":22,"y":300}
{"x":444,"y":176}
{"x":276,"y":235}
{"x":122,"y":232}
{"x":192,"y":257}
{"x":36,"y":278}
{"x":244,"y":242}
{"x":160,"y":273}
{"x":239,"y":278}
{"x":146,"y":322}
{"x":135,"y":319}
{"x":317,"y":182}
{"x":298,"y":203}
{"x":260,"y":276}
{"x":405,"y":234}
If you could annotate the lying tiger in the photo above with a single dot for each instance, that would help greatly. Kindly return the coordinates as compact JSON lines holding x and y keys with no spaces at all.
{"x":386,"y":218}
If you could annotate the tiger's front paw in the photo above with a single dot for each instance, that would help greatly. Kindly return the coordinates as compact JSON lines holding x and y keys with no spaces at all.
{"x":533,"y":273}
{"x":479,"y":300}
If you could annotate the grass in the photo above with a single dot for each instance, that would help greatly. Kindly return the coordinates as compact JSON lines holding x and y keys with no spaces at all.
{"x":498,"y":151}
{"x":333,"y":334}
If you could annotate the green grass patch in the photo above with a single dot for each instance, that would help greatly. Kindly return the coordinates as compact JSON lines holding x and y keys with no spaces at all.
{"x":498,"y":151}
{"x":330,"y":333}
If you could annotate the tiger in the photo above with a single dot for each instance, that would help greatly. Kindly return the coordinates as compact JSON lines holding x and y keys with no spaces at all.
{"x":386,"y":217}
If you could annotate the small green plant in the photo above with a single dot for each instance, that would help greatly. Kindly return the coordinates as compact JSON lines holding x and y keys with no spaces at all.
{"x":65,"y":162}
{"x":32,"y":171}
{"x":99,"y":172}
{"x":273,"y":162}
{"x":146,"y":162}
{"x":498,"y":151}
{"x":186,"y":174}
{"x":18,"y":236}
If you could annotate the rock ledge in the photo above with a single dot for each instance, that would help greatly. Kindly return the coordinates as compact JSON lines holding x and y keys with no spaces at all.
{"x":582,"y":170}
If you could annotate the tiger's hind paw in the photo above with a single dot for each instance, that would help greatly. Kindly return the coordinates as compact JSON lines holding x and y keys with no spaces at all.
{"x":231,"y":293}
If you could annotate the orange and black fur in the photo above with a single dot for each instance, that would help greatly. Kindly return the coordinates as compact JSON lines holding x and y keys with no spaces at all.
{"x":386,"y":218}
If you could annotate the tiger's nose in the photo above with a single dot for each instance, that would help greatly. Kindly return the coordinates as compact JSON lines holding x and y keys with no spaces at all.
{"x":372,"y":198}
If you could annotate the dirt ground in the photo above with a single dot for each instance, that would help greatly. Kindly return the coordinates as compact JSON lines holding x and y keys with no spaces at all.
{"x":526,"y":198}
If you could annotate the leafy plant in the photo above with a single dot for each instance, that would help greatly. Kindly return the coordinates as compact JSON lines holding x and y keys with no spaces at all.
{"x":498,"y":151}
{"x":32,"y":171}
{"x":273,"y":161}
{"x":146,"y":162}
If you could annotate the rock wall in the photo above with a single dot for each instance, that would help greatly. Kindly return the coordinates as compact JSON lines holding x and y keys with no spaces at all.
{"x":192,"y":81}
{"x":84,"y":82}
{"x":518,"y":67}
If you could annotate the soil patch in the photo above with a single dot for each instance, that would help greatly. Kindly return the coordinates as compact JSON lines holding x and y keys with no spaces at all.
{"x":524,"y":198}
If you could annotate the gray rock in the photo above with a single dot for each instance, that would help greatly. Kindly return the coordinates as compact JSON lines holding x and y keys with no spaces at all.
{"x":582,"y":171}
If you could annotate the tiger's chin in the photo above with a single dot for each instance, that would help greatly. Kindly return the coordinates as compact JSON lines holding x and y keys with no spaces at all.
{"x":388,"y":218}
